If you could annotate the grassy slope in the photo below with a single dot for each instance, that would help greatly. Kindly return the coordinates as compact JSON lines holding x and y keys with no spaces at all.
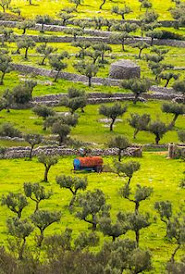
{"x":175,"y":56}
{"x":90,"y":129}
{"x":90,"y":8}
{"x":156,"y":171}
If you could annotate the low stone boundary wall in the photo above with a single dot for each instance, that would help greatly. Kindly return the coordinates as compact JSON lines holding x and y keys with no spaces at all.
{"x":57,"y":27}
{"x":26,"y":69}
{"x":98,"y":39}
{"x":23,"y":152}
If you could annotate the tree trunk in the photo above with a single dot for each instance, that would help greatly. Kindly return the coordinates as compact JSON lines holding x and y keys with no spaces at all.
{"x":119,"y":155}
{"x":90,"y":81}
{"x":75,"y":37}
{"x":136,"y":131}
{"x":140,"y":51}
{"x":26,"y":54}
{"x":37,"y":206}
{"x":42,"y":28}
{"x":137,"y":238}
{"x":172,"y":124}
{"x":46,"y":174}
{"x":43,"y":60}
{"x":157,"y":139}
{"x":102,"y":57}
{"x":123,"y":45}
{"x":24,"y":31}
{"x":60,"y":140}
{"x":40,"y":238}
{"x":167,"y":82}
{"x":111,"y":125}
{"x":21,"y":251}
{"x":135,"y":98}
{"x":172,"y":260}
{"x":72,"y":200}
{"x":152,"y":41}
{"x":31,"y":150}
{"x":2,"y":78}
{"x":136,"y":208}
{"x":101,"y":6}
{"x":19,"y":214}
{"x":56,"y":77}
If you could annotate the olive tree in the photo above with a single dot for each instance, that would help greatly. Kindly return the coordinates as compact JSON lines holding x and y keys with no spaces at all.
{"x":168,"y":76}
{"x":7,"y":129}
{"x":7,"y":100}
{"x":56,"y":62}
{"x":83,"y":45}
{"x":112,"y":112}
{"x":43,"y":219}
{"x":61,"y":129}
{"x":103,"y":48}
{"x":44,"y":112}
{"x":5,"y":4}
{"x":127,"y":169}
{"x":33,"y":140}
{"x":77,"y":3}
{"x":139,"y":122}
{"x":158,"y":128}
{"x":181,"y":135}
{"x":114,"y":229}
{"x":43,"y":19}
{"x":16,"y":202}
{"x":176,"y":232}
{"x":46,"y":51}
{"x":26,"y":43}
{"x":21,"y":229}
{"x":142,"y":193}
{"x":141,"y":46}
{"x":5,"y":65}
{"x":175,"y":109}
{"x":74,"y":184}
{"x":75,"y":32}
{"x":137,"y":223}
{"x":120,"y":142}
{"x":48,"y":162}
{"x":88,"y":69}
{"x":164,"y":209}
{"x":74,"y":100}
{"x":137,"y":86}
{"x":36,"y":193}
{"x":92,"y":205}
{"x":121,"y":11}
{"x":26,"y":24}
{"x":179,"y":86}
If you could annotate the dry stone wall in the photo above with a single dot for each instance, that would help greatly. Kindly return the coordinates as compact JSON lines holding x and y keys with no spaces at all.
{"x":23,"y":152}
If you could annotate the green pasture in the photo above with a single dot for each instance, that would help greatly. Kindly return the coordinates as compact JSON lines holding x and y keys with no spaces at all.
{"x":90,"y":9}
{"x":175,"y":57}
{"x":93,"y":130}
{"x":158,"y":172}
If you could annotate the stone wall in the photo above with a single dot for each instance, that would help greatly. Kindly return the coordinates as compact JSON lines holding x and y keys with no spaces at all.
{"x":23,"y":152}
{"x":93,"y":39}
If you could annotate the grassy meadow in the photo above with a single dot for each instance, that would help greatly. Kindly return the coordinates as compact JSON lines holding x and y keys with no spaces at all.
{"x":92,"y":129}
{"x":90,"y":8}
{"x":158,"y":172}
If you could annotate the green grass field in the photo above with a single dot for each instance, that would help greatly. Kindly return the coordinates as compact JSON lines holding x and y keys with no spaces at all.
{"x":158,"y":172}
{"x":90,"y":129}
{"x":90,"y":8}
